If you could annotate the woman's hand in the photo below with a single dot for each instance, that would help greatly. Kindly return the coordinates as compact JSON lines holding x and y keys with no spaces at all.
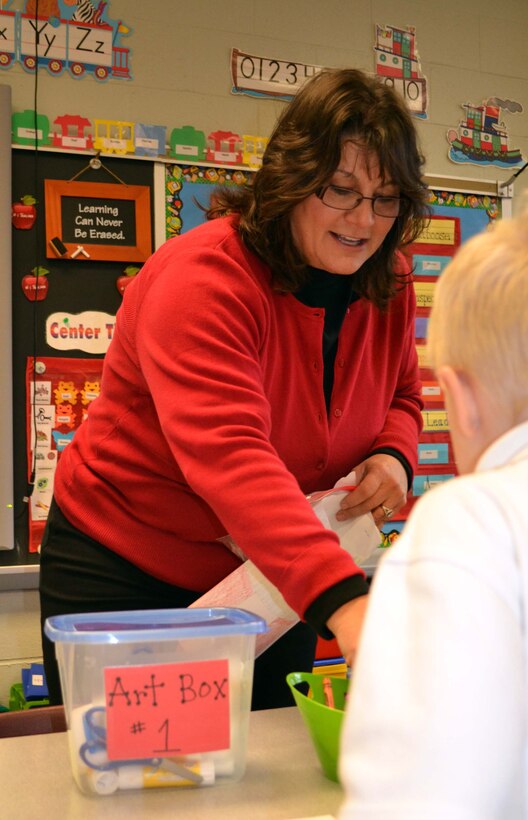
{"x":381,"y":482}
{"x":346,"y":624}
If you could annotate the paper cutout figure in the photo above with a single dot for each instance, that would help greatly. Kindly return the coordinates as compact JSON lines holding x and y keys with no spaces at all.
{"x":66,"y":392}
{"x":114,"y":136}
{"x":72,"y":132}
{"x":149,"y":140}
{"x":86,"y":12}
{"x":253,"y":150}
{"x":123,"y":281}
{"x":28,"y":129}
{"x":35,"y":284}
{"x":90,"y":392}
{"x":8,"y":48}
{"x":62,"y":439}
{"x":224,"y":146}
{"x":64,"y":415}
{"x":481,"y":139}
{"x":24,"y":213}
{"x":45,"y":8}
{"x":397,"y":61}
{"x":187,"y":143}
{"x":73,"y":35}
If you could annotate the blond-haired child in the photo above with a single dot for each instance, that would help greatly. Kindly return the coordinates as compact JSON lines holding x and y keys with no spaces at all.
{"x":437,"y":720}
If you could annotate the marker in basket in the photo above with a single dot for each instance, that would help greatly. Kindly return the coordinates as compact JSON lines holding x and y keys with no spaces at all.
{"x":328,"y":693}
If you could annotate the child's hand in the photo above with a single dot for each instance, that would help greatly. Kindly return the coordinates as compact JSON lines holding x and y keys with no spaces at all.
{"x":381,"y":489}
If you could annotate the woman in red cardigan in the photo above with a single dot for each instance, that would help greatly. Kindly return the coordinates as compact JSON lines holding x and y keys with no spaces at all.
{"x":257,"y":358}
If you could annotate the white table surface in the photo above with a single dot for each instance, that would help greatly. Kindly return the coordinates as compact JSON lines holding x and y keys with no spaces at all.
{"x":283,"y":780}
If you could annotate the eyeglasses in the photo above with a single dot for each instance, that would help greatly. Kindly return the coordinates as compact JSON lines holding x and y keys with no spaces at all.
{"x":345,"y":199}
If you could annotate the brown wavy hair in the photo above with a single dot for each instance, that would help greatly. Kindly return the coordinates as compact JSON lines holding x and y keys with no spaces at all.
{"x":302,"y":155}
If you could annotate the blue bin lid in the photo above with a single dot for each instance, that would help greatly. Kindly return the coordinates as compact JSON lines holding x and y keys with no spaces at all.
{"x":153,"y":624}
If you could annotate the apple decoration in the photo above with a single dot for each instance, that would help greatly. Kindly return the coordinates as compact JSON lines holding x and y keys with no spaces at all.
{"x":123,"y":281}
{"x":35,"y":285}
{"x":24,"y":213}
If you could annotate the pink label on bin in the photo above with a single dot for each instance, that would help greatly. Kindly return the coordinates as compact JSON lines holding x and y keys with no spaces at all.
{"x":167,"y":709}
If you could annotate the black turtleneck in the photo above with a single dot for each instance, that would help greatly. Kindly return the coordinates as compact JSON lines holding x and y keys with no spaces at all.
{"x":334,"y":292}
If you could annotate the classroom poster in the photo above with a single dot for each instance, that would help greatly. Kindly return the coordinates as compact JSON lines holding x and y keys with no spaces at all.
{"x":188,"y":191}
{"x":77,"y":36}
{"x":59,"y":393}
{"x":398,"y":65}
{"x":259,"y":76}
{"x":482,"y":136}
{"x":455,"y":218}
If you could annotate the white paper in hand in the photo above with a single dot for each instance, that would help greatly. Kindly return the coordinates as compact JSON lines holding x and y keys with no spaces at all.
{"x":248,"y":588}
{"x":358,"y":536}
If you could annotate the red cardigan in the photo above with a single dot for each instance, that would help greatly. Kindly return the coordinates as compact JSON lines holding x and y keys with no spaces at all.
{"x":212,"y":419}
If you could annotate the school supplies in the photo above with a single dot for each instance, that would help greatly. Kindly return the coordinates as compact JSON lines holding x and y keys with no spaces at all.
{"x":156,"y":698}
{"x":324,"y":722}
{"x":107,"y":776}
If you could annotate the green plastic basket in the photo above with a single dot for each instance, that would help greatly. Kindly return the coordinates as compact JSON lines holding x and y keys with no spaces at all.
{"x":323,"y":722}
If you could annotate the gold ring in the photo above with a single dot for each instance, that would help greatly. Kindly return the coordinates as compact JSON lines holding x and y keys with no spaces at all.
{"x":387,"y":512}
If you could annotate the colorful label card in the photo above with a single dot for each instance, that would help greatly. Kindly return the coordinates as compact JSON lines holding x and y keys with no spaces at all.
{"x":424,"y":294}
{"x":425,"y":265}
{"x":435,"y":421}
{"x":431,"y":453}
{"x":164,"y":710}
{"x":422,"y":483}
{"x":431,"y":393}
{"x":439,"y":231}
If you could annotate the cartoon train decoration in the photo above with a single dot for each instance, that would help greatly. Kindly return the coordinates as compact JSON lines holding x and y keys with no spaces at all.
{"x":186,"y":143}
{"x":86,"y":43}
{"x":64,"y":45}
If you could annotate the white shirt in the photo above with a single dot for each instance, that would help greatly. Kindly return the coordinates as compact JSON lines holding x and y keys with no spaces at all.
{"x":436,"y":723}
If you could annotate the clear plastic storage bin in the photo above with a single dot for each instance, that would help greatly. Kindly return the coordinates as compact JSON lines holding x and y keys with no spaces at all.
{"x":156,"y":698}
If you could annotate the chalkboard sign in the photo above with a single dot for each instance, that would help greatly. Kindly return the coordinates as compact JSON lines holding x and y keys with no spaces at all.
{"x":96,"y":220}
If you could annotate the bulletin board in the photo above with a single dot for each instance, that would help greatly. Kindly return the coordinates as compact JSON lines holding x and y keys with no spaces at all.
{"x":188,"y":191}
{"x":76,"y":288}
{"x":59,"y":392}
{"x":460,"y":209}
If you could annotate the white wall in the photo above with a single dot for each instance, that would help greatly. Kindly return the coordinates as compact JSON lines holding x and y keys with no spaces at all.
{"x":19,"y":637}
{"x":469,"y":50}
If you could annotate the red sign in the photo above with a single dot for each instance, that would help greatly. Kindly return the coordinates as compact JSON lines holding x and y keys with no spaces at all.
{"x":166,"y":710}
